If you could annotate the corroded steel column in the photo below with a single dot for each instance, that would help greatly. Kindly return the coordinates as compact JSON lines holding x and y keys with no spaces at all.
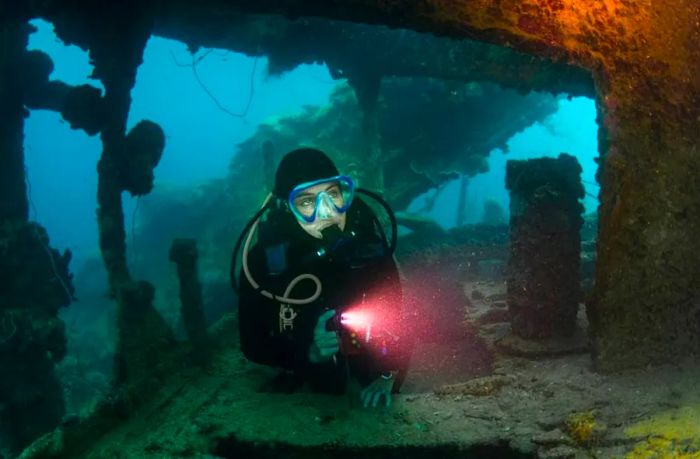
{"x":14,"y":35}
{"x":545,"y":245}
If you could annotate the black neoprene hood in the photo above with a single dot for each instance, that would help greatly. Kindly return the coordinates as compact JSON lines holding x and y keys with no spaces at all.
{"x":300,"y":166}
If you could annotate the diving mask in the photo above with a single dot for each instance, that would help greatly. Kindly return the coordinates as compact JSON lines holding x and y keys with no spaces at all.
{"x":321,"y":199}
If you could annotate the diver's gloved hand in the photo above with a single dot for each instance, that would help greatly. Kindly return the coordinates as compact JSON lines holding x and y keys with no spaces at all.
{"x":326,"y":343}
{"x":377,"y":389}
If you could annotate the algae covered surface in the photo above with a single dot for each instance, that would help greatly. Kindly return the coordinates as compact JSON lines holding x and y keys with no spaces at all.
{"x":674,"y":434}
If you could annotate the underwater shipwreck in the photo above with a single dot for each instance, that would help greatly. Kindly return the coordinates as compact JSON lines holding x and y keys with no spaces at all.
{"x":542,"y":331}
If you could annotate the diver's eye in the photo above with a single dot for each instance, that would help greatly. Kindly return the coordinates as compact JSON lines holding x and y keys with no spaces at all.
{"x":334,"y":193}
{"x":305,"y":203}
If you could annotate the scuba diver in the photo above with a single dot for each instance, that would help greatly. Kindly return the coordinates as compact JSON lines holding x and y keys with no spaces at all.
{"x":319,"y":293}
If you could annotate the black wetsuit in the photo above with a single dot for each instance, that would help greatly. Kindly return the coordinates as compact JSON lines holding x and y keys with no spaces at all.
{"x":365,"y":269}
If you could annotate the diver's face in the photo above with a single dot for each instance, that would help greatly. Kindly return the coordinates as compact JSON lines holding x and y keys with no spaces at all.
{"x":323,"y":199}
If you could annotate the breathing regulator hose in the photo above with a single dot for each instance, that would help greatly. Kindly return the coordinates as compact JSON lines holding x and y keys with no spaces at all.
{"x":250,"y":230}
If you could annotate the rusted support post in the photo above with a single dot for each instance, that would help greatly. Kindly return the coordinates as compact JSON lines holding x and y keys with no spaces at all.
{"x":183,"y":252}
{"x":645,"y":305}
{"x":545,"y":243}
{"x":14,"y":35}
{"x":116,"y":40}
{"x":35,"y":280}
{"x":115,"y":35}
{"x":110,"y":212}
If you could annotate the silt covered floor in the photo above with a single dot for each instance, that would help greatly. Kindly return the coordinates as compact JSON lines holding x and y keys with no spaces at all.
{"x":548,"y":407}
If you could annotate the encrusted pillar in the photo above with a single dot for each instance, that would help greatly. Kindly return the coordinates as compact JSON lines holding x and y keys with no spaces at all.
{"x":13,"y":194}
{"x":183,"y":253}
{"x":34,"y":279}
{"x":117,"y":70}
{"x":115,"y":35}
{"x":545,"y":244}
{"x":645,"y":306}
